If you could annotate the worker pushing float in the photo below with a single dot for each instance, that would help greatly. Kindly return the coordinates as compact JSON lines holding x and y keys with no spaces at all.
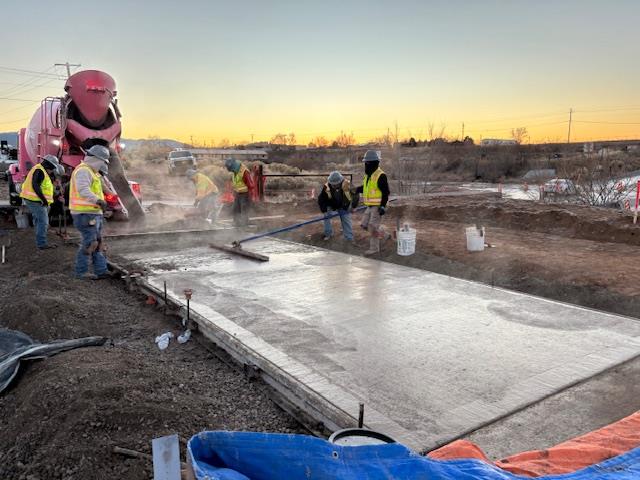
{"x":375,"y":195}
{"x":38,"y":192}
{"x":86,"y":202}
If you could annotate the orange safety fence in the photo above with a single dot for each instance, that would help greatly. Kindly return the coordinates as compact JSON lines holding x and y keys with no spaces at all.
{"x":570,"y":456}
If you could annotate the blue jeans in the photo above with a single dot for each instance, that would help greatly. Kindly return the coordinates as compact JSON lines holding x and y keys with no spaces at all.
{"x":345,"y":220}
{"x":40,"y":215}
{"x":90,"y":227}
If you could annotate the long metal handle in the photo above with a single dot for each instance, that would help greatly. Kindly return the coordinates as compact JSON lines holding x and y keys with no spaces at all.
{"x":294,"y":226}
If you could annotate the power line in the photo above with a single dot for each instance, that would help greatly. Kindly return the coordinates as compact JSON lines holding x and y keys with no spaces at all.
{"x":21,"y":71}
{"x":16,"y":89}
{"x":19,"y":99}
{"x":607,"y":123}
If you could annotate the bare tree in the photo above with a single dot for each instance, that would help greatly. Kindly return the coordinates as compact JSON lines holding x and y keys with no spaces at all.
{"x":345,"y":140}
{"x":320,"y":142}
{"x":520,"y":135}
{"x":430,"y":130}
{"x":279,"y":139}
{"x":224,"y":143}
{"x":597,"y":180}
{"x":283,"y":139}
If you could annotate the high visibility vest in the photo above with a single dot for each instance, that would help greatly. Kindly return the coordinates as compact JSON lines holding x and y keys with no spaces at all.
{"x":346,"y":190}
{"x":204,"y":186}
{"x":371,"y":194}
{"x":238,"y":182}
{"x":27,"y":192}
{"x":80,"y":204}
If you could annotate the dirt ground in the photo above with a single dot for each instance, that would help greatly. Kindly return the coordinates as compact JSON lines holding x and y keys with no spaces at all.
{"x":63,"y":417}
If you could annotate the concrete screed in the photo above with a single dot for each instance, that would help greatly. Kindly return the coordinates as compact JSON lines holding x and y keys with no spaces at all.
{"x":431,"y":356}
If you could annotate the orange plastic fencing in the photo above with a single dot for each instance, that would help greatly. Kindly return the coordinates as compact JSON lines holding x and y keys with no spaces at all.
{"x":575,"y":454}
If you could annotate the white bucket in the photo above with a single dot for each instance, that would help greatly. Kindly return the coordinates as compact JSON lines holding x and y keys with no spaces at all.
{"x":22,"y":219}
{"x":406,"y":242}
{"x":475,"y":239}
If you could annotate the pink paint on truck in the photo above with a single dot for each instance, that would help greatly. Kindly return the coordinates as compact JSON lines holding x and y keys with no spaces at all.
{"x":67,"y":126}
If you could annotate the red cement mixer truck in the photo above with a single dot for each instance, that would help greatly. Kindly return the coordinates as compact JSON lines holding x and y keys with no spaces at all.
{"x":68,"y":126}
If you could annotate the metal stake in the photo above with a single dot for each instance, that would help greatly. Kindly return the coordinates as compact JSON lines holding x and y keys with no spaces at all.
{"x":361,"y":416}
{"x":3,"y":253}
{"x":187,"y":293}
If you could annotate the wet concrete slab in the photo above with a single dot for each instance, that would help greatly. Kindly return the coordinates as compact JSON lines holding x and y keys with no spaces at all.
{"x":432,"y":357}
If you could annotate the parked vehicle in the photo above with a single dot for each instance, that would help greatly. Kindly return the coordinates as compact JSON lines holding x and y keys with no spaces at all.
{"x":179,"y":161}
{"x":8,"y":157}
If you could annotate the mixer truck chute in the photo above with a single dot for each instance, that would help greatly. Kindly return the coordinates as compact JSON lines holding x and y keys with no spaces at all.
{"x":68,"y":126}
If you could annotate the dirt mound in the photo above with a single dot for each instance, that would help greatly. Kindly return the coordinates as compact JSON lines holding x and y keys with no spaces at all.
{"x":575,"y":221}
{"x":65,"y":414}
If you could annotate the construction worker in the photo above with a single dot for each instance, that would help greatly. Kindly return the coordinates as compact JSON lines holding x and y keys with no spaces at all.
{"x":87,"y":204}
{"x":375,"y":195}
{"x":336,"y":197}
{"x":37,"y":193}
{"x":242,"y":182}
{"x":206,"y":195}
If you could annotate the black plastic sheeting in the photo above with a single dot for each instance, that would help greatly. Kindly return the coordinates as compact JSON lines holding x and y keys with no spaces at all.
{"x":16,"y":347}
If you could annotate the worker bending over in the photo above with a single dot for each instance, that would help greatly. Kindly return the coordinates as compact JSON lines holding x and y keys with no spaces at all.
{"x":375,"y":195}
{"x":37,"y":193}
{"x":242,"y":182}
{"x":86,"y":202}
{"x":206,"y":195}
{"x":336,"y":197}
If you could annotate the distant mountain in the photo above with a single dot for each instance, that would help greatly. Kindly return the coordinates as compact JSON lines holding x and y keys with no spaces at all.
{"x":131,"y":143}
{"x":10,"y":137}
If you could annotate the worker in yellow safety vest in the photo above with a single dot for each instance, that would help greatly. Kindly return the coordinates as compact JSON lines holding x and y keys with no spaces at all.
{"x":243,"y":183}
{"x":87,"y":205}
{"x":375,"y":195}
{"x":206,"y":195}
{"x":37,"y":193}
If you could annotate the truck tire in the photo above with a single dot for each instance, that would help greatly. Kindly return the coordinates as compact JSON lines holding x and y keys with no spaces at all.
{"x":14,"y":198}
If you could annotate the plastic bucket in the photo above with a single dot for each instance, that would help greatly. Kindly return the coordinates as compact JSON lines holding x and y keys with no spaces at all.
{"x":406,"y":242}
{"x":22,"y":219}
{"x":475,"y":239}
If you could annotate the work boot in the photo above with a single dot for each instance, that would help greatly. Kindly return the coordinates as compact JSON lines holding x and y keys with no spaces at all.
{"x":106,"y":276}
{"x":374,"y":247}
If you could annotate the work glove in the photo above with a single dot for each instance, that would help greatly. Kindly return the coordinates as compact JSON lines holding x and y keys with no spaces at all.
{"x":102,"y":204}
{"x":381,"y":210}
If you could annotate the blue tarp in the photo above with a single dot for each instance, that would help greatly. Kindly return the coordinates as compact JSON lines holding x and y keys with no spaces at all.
{"x":274,"y":456}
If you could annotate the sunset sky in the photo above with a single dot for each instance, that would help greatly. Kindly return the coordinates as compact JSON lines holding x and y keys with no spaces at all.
{"x":209,"y":70}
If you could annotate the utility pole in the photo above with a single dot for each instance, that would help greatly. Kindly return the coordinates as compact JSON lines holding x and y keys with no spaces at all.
{"x":462,"y":138}
{"x":396,"y":131}
{"x":68,"y":65}
{"x":569,"y":132}
{"x":252,"y":138}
